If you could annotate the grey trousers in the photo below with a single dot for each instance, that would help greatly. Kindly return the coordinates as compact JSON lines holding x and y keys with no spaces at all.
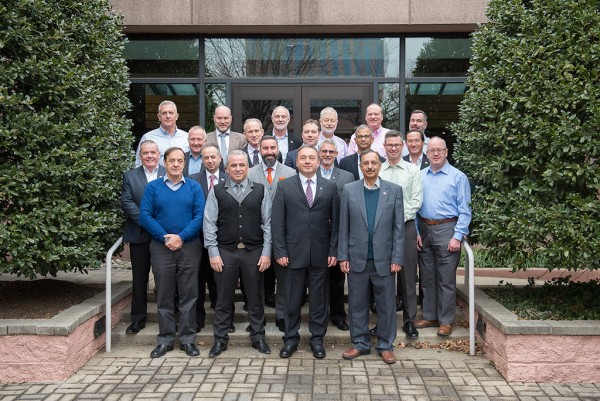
{"x":359,"y":288}
{"x":176,"y":269}
{"x":409,"y":272}
{"x":438,"y":272}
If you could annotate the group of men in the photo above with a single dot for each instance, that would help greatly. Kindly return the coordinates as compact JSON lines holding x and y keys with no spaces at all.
{"x":206,"y":210}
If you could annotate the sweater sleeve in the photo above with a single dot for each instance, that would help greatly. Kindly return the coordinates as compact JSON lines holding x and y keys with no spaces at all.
{"x":192,"y":230}
{"x":147,"y":217}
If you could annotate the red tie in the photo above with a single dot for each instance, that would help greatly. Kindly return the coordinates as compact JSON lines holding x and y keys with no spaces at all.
{"x":212,"y":182}
{"x":270,"y":175}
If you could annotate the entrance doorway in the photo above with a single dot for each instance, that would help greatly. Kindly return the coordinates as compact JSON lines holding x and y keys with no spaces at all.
{"x":303,"y":102}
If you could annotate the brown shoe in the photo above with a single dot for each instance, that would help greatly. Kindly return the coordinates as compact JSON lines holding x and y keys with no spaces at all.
{"x":388,"y":357}
{"x":352,"y":353}
{"x":445,"y":330}
{"x":420,"y":324}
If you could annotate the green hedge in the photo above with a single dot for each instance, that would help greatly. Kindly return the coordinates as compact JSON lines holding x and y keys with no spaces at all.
{"x":64,"y":140}
{"x":528,"y":133}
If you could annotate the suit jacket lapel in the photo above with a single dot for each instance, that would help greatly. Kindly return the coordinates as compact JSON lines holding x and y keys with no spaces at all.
{"x":142,"y":176}
{"x":384,"y":192}
{"x":300,"y":190}
{"x":360,"y":197}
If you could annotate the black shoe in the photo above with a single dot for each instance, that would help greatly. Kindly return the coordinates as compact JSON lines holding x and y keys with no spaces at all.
{"x":217,"y":349}
{"x":270,"y":302}
{"x":373,"y":331}
{"x":199,"y":327}
{"x":318,"y":351}
{"x":135,"y":328}
{"x":248,"y":329}
{"x":160,"y":350}
{"x":280,"y":323}
{"x":190,"y":349}
{"x":287,"y":351}
{"x":399,"y":305}
{"x":342,"y":325}
{"x":410,"y":330}
{"x":261,"y":346}
{"x":232,"y":329}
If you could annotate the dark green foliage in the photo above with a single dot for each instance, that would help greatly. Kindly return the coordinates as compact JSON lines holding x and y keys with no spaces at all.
{"x":64,"y":142}
{"x":559,"y":299}
{"x":528,"y":133}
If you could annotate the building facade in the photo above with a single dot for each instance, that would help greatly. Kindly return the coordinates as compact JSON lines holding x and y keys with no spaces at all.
{"x":253,"y":55}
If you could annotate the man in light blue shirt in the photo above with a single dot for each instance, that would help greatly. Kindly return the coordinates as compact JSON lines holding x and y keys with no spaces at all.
{"x":167,"y":135}
{"x":444,"y":220}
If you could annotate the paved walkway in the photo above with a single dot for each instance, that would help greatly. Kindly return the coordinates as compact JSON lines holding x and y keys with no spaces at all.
{"x":241,"y":373}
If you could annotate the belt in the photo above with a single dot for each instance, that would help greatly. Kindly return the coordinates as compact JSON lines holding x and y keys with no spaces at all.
{"x":440,"y":221}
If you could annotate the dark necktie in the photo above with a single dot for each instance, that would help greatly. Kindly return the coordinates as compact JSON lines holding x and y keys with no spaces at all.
{"x":255,"y":159}
{"x":309,"y":193}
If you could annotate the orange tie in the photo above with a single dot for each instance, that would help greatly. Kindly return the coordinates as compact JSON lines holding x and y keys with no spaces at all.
{"x":270,"y":175}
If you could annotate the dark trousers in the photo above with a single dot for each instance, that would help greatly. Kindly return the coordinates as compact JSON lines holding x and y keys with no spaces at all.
{"x":318,"y":293}
{"x":140,"y":270}
{"x":408,"y":275}
{"x":241,"y":264}
{"x":360,"y":284}
{"x":336,"y":294}
{"x":206,"y":280}
{"x":269,"y":282}
{"x":176,"y":270}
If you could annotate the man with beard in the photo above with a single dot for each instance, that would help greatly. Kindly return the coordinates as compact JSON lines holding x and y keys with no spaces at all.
{"x":286,"y":140}
{"x":269,"y":173}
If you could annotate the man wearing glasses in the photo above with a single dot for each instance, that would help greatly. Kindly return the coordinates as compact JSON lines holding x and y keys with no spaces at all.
{"x":401,"y":172}
{"x":444,"y":220}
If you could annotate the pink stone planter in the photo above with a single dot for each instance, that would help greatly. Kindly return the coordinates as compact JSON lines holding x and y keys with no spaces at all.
{"x":49,"y":350}
{"x":536,"y":350}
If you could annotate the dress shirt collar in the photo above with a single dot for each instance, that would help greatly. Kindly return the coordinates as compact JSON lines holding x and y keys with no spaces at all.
{"x":387,"y":165}
{"x":165,"y":132}
{"x":326,"y":173}
{"x":445,"y":169}
{"x":303,"y":179}
{"x":216,"y":174}
{"x":377,"y":184}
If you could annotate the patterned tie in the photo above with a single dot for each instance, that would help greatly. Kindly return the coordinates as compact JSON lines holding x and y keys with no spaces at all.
{"x":309,"y":193}
{"x":255,"y":159}
{"x":223,"y":148}
{"x":270,"y":175}
{"x":212,"y":182}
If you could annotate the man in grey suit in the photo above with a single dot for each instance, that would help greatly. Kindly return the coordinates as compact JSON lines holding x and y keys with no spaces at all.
{"x":269,"y":173}
{"x":328,"y":152}
{"x":223,"y":138}
{"x":134,"y":183}
{"x":304,"y":225}
{"x":371,"y":251}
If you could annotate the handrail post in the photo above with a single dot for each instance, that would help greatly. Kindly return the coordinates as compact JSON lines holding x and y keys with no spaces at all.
{"x":470,"y":280}
{"x":108,"y":308}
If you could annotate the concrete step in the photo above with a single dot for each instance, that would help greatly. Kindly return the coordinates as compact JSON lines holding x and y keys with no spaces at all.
{"x":334,"y":336}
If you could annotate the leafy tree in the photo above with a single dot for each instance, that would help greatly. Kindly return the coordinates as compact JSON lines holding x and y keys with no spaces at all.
{"x":528,"y":133}
{"x":63,"y":139}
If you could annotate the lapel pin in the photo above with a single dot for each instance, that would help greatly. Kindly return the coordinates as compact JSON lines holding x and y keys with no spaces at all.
{"x":385,"y":193}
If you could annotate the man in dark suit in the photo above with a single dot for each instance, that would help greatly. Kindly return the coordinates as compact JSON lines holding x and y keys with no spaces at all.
{"x":134,"y":183}
{"x":223,"y":138}
{"x":193,"y":158}
{"x":208,"y":177}
{"x":269,"y":173}
{"x":304,"y":226}
{"x":237,"y":234}
{"x":310,"y":137}
{"x":328,"y":152}
{"x":415,"y":140}
{"x":371,"y":245}
{"x":364,"y":140}
{"x":286,"y":140}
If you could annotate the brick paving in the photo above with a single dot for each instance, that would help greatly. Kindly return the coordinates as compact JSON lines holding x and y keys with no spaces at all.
{"x":241,"y":373}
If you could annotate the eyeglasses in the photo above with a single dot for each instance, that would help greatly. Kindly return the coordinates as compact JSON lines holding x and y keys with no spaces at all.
{"x":363,"y":137}
{"x":435,"y":151}
{"x":393,"y":145}
{"x":327,"y":151}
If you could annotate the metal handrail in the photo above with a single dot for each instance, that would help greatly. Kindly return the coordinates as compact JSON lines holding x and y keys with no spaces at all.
{"x":108,"y":308}
{"x":470,"y":280}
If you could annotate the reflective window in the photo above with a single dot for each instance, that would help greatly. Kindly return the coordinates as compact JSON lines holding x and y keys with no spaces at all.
{"x":145,"y":99}
{"x":389,"y":100}
{"x":442,"y":57}
{"x":350,"y":114}
{"x":215,"y":96}
{"x":293,"y":57}
{"x":162,"y":58}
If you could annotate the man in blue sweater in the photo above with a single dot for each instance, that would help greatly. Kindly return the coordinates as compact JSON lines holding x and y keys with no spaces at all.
{"x":171,"y":211}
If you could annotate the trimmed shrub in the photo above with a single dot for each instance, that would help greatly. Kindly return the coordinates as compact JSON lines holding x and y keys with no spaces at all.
{"x":528,"y":133}
{"x":64,"y":141}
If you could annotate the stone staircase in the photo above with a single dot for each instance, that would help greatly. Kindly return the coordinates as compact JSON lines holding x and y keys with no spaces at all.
{"x":334,"y":336}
